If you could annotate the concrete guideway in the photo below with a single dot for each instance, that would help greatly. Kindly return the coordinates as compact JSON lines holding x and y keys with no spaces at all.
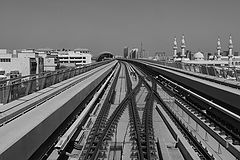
{"x":22,"y":105}
{"x":129,"y":132}
{"x":15,"y":88}
{"x":216,"y":147}
{"x":62,"y":143}
{"x":23,"y":136}
{"x":142,"y":116}
{"x":225,"y":94}
{"x":114,"y":138}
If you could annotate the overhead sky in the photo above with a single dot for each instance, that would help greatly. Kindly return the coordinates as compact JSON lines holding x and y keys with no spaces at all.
{"x":112,"y":24}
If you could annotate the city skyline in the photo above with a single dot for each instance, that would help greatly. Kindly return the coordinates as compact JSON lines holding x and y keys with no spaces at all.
{"x":111,"y":25}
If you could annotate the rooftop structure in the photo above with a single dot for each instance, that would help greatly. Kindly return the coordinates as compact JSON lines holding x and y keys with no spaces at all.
{"x":82,"y":50}
{"x":198,"y":56}
{"x":104,"y":56}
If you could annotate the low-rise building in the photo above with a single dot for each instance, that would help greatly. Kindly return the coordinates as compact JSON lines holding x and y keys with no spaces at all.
{"x":51,"y":61}
{"x":24,"y":62}
{"x":74,"y":58}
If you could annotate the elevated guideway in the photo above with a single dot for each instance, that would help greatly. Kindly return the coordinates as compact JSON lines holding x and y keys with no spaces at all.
{"x":15,"y":88}
{"x":215,"y":107}
{"x":217,"y":92}
{"x":29,"y":121}
{"x":217,"y":100}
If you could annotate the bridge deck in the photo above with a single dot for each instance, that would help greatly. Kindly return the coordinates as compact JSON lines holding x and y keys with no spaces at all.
{"x":22,"y":136}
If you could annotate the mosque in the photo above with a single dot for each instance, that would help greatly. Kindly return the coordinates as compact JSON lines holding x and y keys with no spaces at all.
{"x":198,"y":58}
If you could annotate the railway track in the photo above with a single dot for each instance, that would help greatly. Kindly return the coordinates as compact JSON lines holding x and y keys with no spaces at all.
{"x":190,"y":119}
{"x":104,"y":127}
{"x":226,"y":95}
{"x":107,"y":132}
{"x":147,"y":131}
{"x":185,"y":112}
{"x":59,"y":143}
{"x":135,"y":125}
{"x":95,"y":138}
{"x":101,"y":140}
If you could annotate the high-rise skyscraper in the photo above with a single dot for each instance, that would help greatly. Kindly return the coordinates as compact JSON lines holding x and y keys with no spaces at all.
{"x":125,"y":52}
{"x":133,"y":54}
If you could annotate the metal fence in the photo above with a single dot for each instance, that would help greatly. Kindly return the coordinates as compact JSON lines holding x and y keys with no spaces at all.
{"x":12,"y":89}
{"x":232,"y":73}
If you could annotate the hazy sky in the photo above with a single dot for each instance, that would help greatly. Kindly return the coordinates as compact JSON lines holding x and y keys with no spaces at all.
{"x":112,"y":24}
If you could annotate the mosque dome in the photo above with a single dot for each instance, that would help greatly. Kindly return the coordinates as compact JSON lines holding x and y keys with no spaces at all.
{"x":198,"y":56}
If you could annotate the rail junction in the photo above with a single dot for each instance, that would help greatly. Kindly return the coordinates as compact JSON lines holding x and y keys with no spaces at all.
{"x":124,"y":109}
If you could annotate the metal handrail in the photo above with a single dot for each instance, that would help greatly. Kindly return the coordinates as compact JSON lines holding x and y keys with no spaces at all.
{"x":15,"y":88}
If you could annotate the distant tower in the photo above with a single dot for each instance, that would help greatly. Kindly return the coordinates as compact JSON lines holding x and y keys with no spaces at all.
{"x":175,"y":49}
{"x":141,"y":50}
{"x":218,"y":49}
{"x":230,"y":55}
{"x":183,"y":46}
{"x":125,"y":52}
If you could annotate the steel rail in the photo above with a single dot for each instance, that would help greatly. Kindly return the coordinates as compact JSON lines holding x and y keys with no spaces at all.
{"x":203,"y":153}
{"x":134,"y":118}
{"x":192,"y":140}
{"x":100,"y":123}
{"x":147,"y":115}
{"x":230,"y":134}
{"x":110,"y":124}
{"x":48,"y":146}
{"x":63,"y":141}
{"x":224,"y":128}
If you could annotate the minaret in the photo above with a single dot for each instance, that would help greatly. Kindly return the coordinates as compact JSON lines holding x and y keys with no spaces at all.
{"x":230,"y":49}
{"x":218,"y":49}
{"x":175,"y":49}
{"x":183,"y":46}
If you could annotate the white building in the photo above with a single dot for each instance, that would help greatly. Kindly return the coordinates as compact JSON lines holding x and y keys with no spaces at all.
{"x":24,"y":62}
{"x":229,"y":61}
{"x":51,"y":62}
{"x":75,"y":57}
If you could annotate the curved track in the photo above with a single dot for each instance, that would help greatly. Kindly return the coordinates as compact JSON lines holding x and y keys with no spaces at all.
{"x":215,"y":128}
{"x":103,"y":141}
